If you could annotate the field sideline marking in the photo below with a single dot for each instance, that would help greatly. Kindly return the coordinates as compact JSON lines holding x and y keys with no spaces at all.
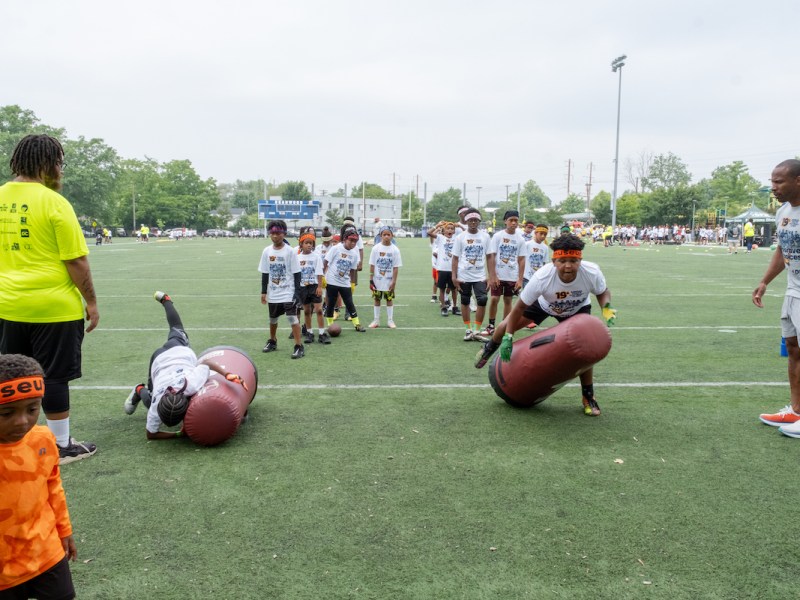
{"x":427,"y":386}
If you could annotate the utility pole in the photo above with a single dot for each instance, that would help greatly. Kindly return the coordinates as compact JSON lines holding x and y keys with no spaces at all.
{"x":616,"y":65}
{"x":519,"y":195}
{"x":589,"y":188}
{"x":417,"y":186}
{"x":465,"y":193}
{"x":569,"y":173}
{"x":425,"y":203}
{"x":394,"y":186}
{"x":508,"y":186}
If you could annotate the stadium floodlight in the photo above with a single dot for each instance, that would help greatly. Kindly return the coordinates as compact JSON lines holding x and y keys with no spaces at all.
{"x":616,"y":65}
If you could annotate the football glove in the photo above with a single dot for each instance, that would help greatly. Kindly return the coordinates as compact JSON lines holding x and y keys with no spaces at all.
{"x":233,"y":377}
{"x":609,"y":314}
{"x":372,"y":286}
{"x":505,"y":347}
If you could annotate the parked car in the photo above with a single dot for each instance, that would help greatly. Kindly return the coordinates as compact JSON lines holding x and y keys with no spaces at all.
{"x":215,"y":233}
{"x":120,"y":232}
{"x":402,"y":233}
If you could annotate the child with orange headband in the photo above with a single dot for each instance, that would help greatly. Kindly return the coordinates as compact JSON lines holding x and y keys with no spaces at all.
{"x":560,"y":289}
{"x":311,"y":287}
{"x":36,"y":542}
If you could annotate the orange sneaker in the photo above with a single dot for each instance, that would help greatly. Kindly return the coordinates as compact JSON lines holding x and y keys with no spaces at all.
{"x":785,"y":416}
{"x":590,"y":407}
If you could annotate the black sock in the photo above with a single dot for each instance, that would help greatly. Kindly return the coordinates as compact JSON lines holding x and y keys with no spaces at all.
{"x":588,"y":391}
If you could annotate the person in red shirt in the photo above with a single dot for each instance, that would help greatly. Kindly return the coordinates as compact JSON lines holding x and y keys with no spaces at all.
{"x":36,"y":540}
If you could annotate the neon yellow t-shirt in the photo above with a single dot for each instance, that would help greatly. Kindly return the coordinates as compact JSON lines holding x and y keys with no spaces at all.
{"x":38,"y":231}
{"x":749,"y":230}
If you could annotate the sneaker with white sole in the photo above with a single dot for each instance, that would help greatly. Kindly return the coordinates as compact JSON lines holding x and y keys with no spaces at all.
{"x":132,"y":401}
{"x":792,"y":430}
{"x":374,"y":325}
{"x":324,"y":338}
{"x":785,"y":416}
{"x":445,"y":311}
{"x":161,"y":296}
{"x":299,"y":351}
{"x":391,"y":325}
{"x":75,"y":451}
{"x":469,"y":335}
{"x":485,"y":353}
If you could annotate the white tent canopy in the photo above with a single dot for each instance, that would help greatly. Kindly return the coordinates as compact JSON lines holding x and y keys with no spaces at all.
{"x":755,"y":213}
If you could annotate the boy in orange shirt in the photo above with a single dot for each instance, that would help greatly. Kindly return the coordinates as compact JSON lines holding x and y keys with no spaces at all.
{"x":36,"y":540}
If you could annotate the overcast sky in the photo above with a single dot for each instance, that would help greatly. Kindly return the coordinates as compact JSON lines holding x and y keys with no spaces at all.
{"x":484,"y":93}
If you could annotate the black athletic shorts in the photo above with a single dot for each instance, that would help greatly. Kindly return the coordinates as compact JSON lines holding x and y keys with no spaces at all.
{"x":276,"y":309}
{"x":56,"y":346}
{"x":445,"y":281}
{"x":53,"y":584}
{"x":535,"y":313}
{"x":307,"y":295}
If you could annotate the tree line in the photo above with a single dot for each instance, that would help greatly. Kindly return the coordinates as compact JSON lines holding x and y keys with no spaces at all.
{"x":118,"y":191}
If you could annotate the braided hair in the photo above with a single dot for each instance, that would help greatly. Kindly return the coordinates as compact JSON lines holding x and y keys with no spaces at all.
{"x":38,"y":157}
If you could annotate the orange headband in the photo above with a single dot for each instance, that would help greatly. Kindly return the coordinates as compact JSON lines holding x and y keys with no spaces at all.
{"x":542,"y":230}
{"x":21,"y":388}
{"x":307,"y":236}
{"x":567,"y":254}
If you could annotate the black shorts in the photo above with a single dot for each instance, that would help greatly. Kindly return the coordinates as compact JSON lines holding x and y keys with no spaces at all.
{"x":445,"y":281}
{"x":53,"y":584}
{"x":276,"y":309}
{"x":56,"y":346}
{"x":307,"y":295}
{"x":479,"y":289}
{"x":535,"y":313}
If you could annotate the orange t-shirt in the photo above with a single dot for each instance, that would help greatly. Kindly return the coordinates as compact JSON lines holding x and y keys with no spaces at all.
{"x":33,"y":508}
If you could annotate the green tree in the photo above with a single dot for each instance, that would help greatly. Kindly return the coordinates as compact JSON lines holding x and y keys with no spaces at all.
{"x":137,"y":182}
{"x":532,"y":196}
{"x":629,"y":210}
{"x":443,"y":206}
{"x":90,"y":178}
{"x":733,"y":185}
{"x":15,"y":124}
{"x":601,"y":207}
{"x":294,"y":190}
{"x":573,"y":204}
{"x":665,"y":206}
{"x":369,"y":190}
{"x":666,"y":171}
{"x":334,"y":218}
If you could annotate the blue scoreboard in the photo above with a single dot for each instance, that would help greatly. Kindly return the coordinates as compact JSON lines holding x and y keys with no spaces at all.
{"x":288,"y":209}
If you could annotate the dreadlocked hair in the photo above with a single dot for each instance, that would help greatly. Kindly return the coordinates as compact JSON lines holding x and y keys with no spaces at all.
{"x":37,"y":155}
{"x":13,"y":366}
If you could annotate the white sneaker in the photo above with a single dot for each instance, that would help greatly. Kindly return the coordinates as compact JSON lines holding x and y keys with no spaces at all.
{"x":792,"y":430}
{"x":469,"y":335}
{"x":392,"y":325}
{"x":373,"y":325}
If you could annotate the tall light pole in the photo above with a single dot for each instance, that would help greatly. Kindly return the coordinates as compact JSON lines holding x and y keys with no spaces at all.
{"x":616,"y":65}
{"x":477,"y":187}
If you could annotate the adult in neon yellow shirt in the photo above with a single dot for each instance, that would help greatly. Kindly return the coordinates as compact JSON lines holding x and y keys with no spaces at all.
{"x":46,"y":287}
{"x":749,"y":234}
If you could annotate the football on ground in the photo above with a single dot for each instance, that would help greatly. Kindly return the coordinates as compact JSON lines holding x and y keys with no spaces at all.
{"x":334,"y":329}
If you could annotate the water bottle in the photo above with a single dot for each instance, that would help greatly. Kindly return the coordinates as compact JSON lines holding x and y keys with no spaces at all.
{"x":783,"y":347}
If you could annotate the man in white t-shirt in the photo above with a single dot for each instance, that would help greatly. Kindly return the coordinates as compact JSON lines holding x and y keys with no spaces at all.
{"x":469,"y":273}
{"x":786,"y":188}
{"x":173,"y":378}
{"x":560,"y":289}
{"x":280,"y":287}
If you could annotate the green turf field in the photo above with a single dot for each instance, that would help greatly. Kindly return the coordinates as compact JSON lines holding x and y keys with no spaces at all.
{"x":384,"y":466}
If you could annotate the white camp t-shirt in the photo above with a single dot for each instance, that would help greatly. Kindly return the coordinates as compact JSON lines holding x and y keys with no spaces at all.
{"x":561,"y":299}
{"x":340,"y":262}
{"x":443,"y":247}
{"x":536,"y":256}
{"x":172,"y":368}
{"x":471,"y":250}
{"x":506,"y":247}
{"x":281,"y":265}
{"x":384,"y":259}
{"x":787,"y":222}
{"x":310,"y":268}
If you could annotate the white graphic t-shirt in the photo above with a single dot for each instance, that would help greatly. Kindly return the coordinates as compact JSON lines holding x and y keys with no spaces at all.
{"x":471,"y":250}
{"x":281,"y":265}
{"x":536,"y":256}
{"x":384,"y":259}
{"x":340,"y":262}
{"x":561,"y":299}
{"x":787,"y":220}
{"x":506,"y":247}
